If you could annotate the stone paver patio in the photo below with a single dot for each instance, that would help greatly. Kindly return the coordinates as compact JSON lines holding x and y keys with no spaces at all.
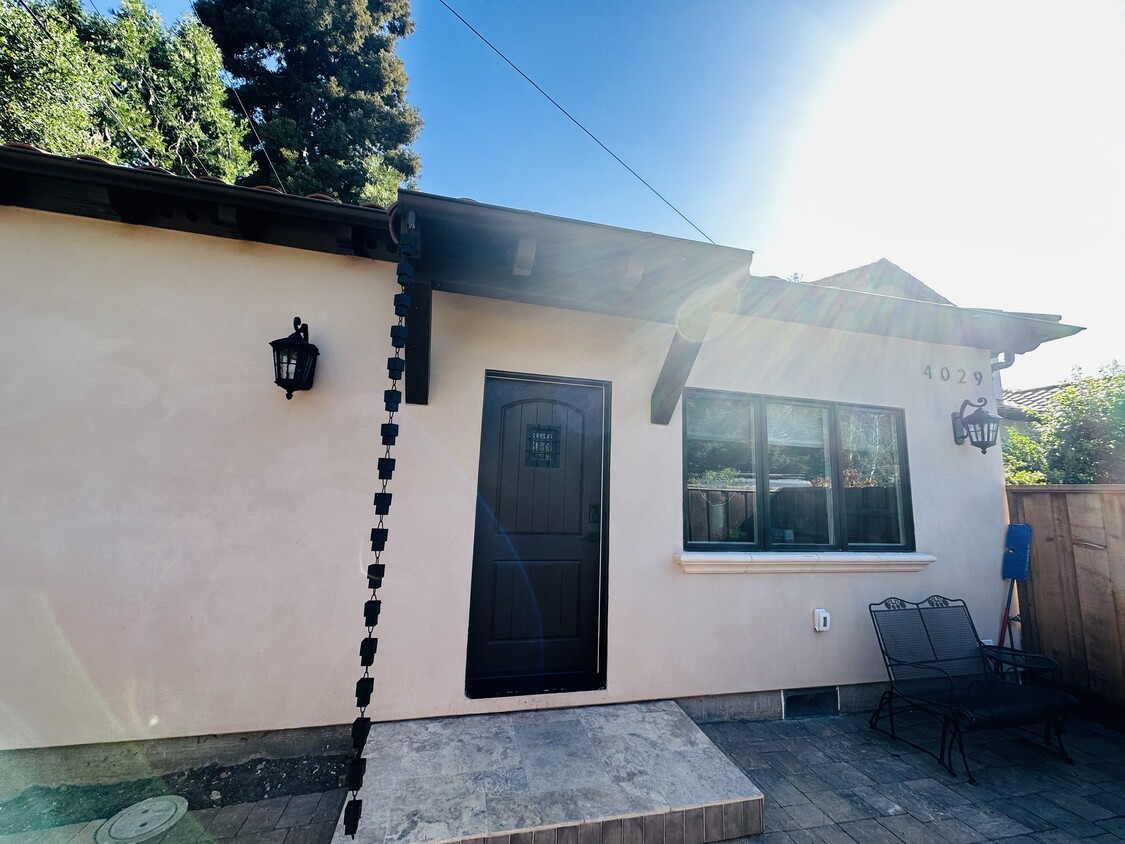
{"x":833,"y":780}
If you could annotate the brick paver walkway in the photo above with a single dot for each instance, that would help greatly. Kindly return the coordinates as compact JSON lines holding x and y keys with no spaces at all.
{"x":833,"y":780}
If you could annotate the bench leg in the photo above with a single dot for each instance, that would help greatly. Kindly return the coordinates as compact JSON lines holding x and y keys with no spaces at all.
{"x":946,"y":755}
{"x":885,"y":702}
{"x":873,"y":721}
{"x":1058,"y":725}
{"x":964,"y":759}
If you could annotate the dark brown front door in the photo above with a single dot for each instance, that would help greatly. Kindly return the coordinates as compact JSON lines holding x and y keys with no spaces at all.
{"x":537,"y":607}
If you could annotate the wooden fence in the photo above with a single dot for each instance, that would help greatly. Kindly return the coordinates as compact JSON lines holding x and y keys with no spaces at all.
{"x":1073,"y":602}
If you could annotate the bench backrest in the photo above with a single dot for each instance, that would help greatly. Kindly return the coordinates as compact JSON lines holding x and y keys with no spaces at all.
{"x":937,"y":631}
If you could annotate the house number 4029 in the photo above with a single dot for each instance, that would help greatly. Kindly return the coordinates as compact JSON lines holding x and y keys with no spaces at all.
{"x":957,"y":376}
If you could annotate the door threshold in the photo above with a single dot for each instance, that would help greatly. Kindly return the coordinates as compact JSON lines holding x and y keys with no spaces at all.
{"x":486,"y":687}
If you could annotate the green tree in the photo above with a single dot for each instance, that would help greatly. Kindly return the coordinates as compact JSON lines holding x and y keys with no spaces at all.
{"x":1024,"y":460}
{"x":327,"y":91}
{"x":52,"y":88}
{"x":1083,"y":433}
{"x":98,"y":80}
{"x":168,"y":92}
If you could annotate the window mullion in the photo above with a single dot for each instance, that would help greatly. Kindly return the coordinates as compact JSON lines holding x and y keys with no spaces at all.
{"x":836,"y":455}
{"x":762,"y":482}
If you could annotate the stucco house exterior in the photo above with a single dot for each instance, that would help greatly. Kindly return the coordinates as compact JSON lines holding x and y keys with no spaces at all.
{"x":627,"y":469}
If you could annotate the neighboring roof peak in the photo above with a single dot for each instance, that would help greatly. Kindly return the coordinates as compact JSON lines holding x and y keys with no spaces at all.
{"x":1035,"y":399}
{"x":885,"y":278}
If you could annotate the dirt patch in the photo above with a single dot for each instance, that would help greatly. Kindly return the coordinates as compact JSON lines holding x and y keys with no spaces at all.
{"x":40,"y":807}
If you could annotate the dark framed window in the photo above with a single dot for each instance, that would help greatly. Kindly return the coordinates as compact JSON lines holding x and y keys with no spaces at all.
{"x":837,"y":475}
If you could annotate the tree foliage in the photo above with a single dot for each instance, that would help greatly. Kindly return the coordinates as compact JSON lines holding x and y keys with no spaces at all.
{"x":327,"y":91}
{"x":1079,"y":440}
{"x":1083,"y":435}
{"x":96,"y":81}
{"x":45,"y":99}
{"x":1024,"y":462}
{"x":169,"y":93}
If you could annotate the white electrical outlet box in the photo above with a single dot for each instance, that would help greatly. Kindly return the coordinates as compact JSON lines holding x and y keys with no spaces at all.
{"x":822,"y":620}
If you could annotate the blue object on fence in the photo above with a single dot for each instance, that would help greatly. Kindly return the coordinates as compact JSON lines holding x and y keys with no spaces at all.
{"x":1017,"y":552}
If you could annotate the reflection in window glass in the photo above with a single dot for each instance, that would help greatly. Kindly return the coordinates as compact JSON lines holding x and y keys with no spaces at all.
{"x":800,"y":472}
{"x":837,"y":474}
{"x":873,"y":505}
{"x":719,"y":470}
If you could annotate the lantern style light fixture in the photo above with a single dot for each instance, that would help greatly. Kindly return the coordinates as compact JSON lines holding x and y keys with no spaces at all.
{"x":980,"y":427}
{"x":294,"y":360}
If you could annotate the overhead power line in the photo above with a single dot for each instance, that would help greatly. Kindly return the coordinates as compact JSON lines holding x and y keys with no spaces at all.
{"x":254,"y":129}
{"x":249,"y":119}
{"x":574,"y":120}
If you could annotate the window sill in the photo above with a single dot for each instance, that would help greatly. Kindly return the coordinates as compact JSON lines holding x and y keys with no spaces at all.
{"x":798,"y":562}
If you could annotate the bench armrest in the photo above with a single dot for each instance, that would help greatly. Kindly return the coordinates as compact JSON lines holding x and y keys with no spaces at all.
{"x":1037,"y":663}
{"x":936,"y":672}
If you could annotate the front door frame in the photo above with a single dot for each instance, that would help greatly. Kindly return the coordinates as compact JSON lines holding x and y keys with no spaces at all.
{"x":483,"y":688}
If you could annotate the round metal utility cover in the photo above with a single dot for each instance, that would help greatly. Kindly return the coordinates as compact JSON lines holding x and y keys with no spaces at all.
{"x":142,"y":821}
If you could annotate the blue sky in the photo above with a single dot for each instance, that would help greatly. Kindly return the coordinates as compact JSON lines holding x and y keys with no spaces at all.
{"x":976,"y":145}
{"x":698,"y":98}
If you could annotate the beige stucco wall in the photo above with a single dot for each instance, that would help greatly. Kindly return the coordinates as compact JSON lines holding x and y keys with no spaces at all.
{"x":182,"y":550}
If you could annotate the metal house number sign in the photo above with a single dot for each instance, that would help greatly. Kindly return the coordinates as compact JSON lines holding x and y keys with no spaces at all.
{"x":953,"y":376}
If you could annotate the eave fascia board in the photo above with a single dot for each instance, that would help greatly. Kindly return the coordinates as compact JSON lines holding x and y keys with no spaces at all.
{"x":50,"y":166}
{"x":526,"y":223}
{"x":879,"y":314}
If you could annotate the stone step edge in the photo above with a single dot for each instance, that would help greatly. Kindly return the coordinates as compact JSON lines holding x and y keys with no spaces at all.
{"x":704,"y":824}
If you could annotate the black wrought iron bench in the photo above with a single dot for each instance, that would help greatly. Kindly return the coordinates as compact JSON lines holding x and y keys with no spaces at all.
{"x":937,"y":664}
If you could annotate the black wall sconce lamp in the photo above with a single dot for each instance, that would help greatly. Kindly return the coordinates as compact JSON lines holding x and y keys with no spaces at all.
{"x":294,"y":360}
{"x":980,"y":427}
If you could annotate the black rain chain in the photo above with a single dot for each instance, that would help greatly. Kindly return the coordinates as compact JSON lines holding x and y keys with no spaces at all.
{"x":392,"y":398}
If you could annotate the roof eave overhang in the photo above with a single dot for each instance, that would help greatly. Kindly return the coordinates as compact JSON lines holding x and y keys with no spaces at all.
{"x":88,"y":188}
{"x":872,"y":313}
{"x":485,"y":250}
{"x":476,"y":249}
